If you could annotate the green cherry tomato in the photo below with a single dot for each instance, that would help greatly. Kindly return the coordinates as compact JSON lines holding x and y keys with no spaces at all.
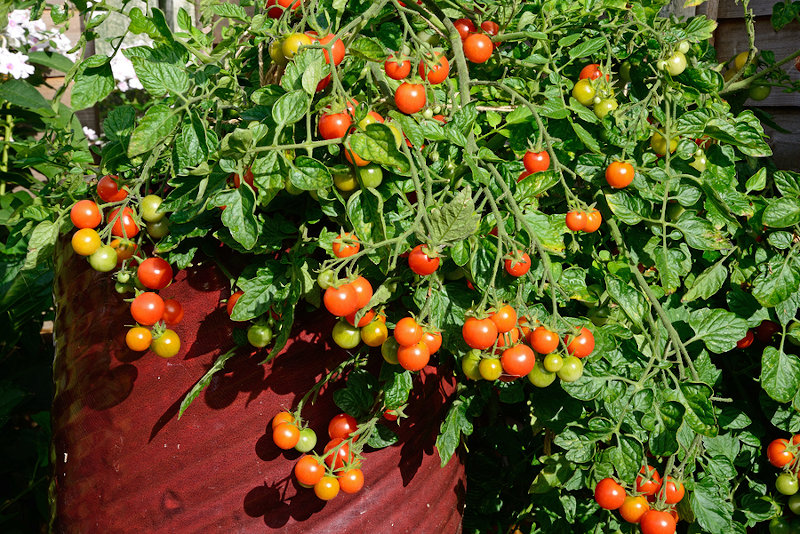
{"x":308,"y":440}
{"x":541,"y":377}
{"x":149,"y":208}
{"x":584,"y":92}
{"x":684,"y":47}
{"x":276,"y":52}
{"x":699,"y":163}
{"x":572,"y":369}
{"x":786,"y":483}
{"x":121,"y":288}
{"x":104,"y":259}
{"x":625,"y":71}
{"x":470,"y":364}
{"x":159,"y":229}
{"x":676,"y":63}
{"x":370,"y":175}
{"x":553,"y":362}
{"x":759,"y":92}
{"x":794,"y":504}
{"x":604,"y":107}
{"x":345,"y":182}
{"x":326,"y":278}
{"x":490,"y":368}
{"x":259,"y":335}
{"x":346,"y":335}
{"x":779,"y":525}
{"x":389,"y":350}
{"x":290,"y":187}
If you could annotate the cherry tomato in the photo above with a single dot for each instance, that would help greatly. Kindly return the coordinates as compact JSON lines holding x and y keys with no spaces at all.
{"x":505,"y":318}
{"x":334,"y":125}
{"x":490,"y":368}
{"x":104,"y":259}
{"x":340,"y":301}
{"x":779,"y":525}
{"x":479,"y":334}
{"x":746,"y":341}
{"x":282,"y":417}
{"x":293,"y":42}
{"x":408,"y":332}
{"x":346,"y":245}
{"x":422,"y":262}
{"x":154,"y":273}
{"x":147,"y":308}
{"x":794,"y":504}
{"x":389,"y":350}
{"x":370,"y":175}
{"x":124,"y":224}
{"x":149,"y":208}
{"x":173,"y":312}
{"x":276,"y":52}
{"x":138,"y":338}
{"x":352,"y":480}
{"x":470,"y":365}
{"x":619,"y":174}
{"x":308,"y":471}
{"x":593,"y":221}
{"x":648,"y":481}
{"x":327,"y":488}
{"x":659,"y":143}
{"x":657,"y":522}
{"x":337,"y":49}
{"x":397,"y":69}
{"x":766,"y":330}
{"x":374,"y":334}
{"x":232,"y":302}
{"x":633,"y":508}
{"x":124,"y":248}
{"x":363,"y":291}
{"x":676,"y":63}
{"x":543,"y":340}
{"x":335,"y":459}
{"x":86,"y":241}
{"x":576,"y":220}
{"x":413,"y":357}
{"x":286,"y":436}
{"x":572,"y":369}
{"x":167,"y":345}
{"x":410,"y":97}
{"x":433,"y":340}
{"x":506,"y":340}
{"x":518,"y":268}
{"x":248,"y":178}
{"x":464,"y":27}
{"x":342,"y":426}
{"x":346,"y":181}
{"x":553,"y":362}
{"x":581,"y":345}
{"x":674,"y":491}
{"x":584,"y":92}
{"x":108,"y":189}
{"x":536,"y":161}
{"x":490,"y":27}
{"x":778,"y":453}
{"x":591,"y":71}
{"x":478,"y":48}
{"x":159,"y":229}
{"x":345,"y":335}
{"x":609,"y":494}
{"x":518,"y":360}
{"x":604,"y":107}
{"x":390,"y":415}
{"x":541,"y":377}
{"x":85,"y":214}
{"x":436,"y":74}
{"x":275,"y":8}
{"x":365,"y":320}
{"x":259,"y":335}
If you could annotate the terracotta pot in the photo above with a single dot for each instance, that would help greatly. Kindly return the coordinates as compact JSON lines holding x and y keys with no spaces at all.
{"x":125,"y":463}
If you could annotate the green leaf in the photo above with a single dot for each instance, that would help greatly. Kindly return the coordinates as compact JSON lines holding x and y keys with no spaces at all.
{"x":719,"y":329}
{"x":93,"y":83}
{"x":699,"y":415}
{"x":382,"y":437}
{"x":309,"y":174}
{"x":587,"y":48}
{"x":628,"y":457}
{"x":548,"y":229}
{"x":239,"y":216}
{"x":141,"y":24}
{"x":290,"y":108}
{"x":305,"y":71}
{"x":455,"y":424}
{"x":397,"y":387}
{"x":701,"y":234}
{"x":120,"y":122}
{"x":556,"y":470}
{"x":780,"y":374}
{"x":40,"y":244}
{"x":51,"y":60}
{"x":758,"y":181}
{"x":201,"y":384}
{"x":788,"y":183}
{"x":456,"y":220}
{"x":778,"y":280}
{"x":357,"y":398}
{"x":368,"y":48}
{"x":21,"y":93}
{"x":707,"y":283}
{"x":586,"y":137}
{"x":157,"y":124}
{"x":260,"y":291}
{"x":712,"y":507}
{"x":782,"y":212}
{"x":159,"y":78}
{"x":626,"y":207}
{"x":365,"y":211}
{"x":629,"y":299}
{"x":231,"y":11}
{"x":378,"y":145}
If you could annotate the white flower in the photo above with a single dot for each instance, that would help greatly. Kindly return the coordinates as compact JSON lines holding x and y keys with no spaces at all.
{"x":15,"y":64}
{"x":126,"y":78}
{"x":90,"y":134}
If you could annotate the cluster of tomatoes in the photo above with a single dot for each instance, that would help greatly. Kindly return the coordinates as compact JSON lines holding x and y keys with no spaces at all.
{"x":152,"y":313}
{"x":783,"y":454}
{"x":339,"y":466}
{"x":593,"y":90}
{"x":637,"y":507}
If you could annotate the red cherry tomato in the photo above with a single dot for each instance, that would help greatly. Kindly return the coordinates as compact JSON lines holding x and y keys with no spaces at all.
{"x":609,"y":494}
{"x":337,"y":49}
{"x":766,"y":330}
{"x":275,"y":8}
{"x":518,"y":268}
{"x":619,"y":174}
{"x":536,"y":161}
{"x":340,"y":301}
{"x":286,"y":436}
{"x":464,"y":27}
{"x":490,"y":27}
{"x":674,"y":491}
{"x":778,"y":453}
{"x":147,"y":308}
{"x":593,"y":220}
{"x":124,"y":225}
{"x":154,"y":273}
{"x":505,"y":318}
{"x":308,"y":471}
{"x":591,"y":71}
{"x":422,"y":262}
{"x":85,"y":214}
{"x":648,"y":482}
{"x":479,"y":334}
{"x":336,"y":460}
{"x":232,"y":302}
{"x":352,"y":480}
{"x":478,"y":48}
{"x":433,"y":340}
{"x":342,"y":426}
{"x":346,"y":245}
{"x":543,"y":340}
{"x":395,"y":69}
{"x":173,"y":312}
{"x":518,"y":360}
{"x":747,"y":340}
{"x":413,"y":357}
{"x":657,"y":522}
{"x":408,"y":332}
{"x":436,"y":74}
{"x":334,"y":125}
{"x":108,"y":189}
{"x":410,"y":97}
{"x":581,"y":345}
{"x":363,"y":290}
{"x":576,"y":220}
{"x":248,"y":178}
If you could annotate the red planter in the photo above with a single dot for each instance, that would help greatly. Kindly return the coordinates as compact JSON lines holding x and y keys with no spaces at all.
{"x":125,"y":463}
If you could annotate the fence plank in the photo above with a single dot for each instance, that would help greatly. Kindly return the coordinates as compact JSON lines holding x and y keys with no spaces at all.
{"x":729,"y":9}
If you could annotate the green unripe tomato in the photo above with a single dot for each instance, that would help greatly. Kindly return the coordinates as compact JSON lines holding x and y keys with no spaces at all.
{"x":541,"y":377}
{"x":684,"y":47}
{"x":572,"y":369}
{"x":625,"y":71}
{"x":584,"y":92}
{"x":345,"y":181}
{"x":149,"y":208}
{"x":346,"y":335}
{"x":290,"y":187}
{"x":389,"y":350}
{"x":259,"y":335}
{"x":794,"y":504}
{"x":659,"y":143}
{"x":676,"y":63}
{"x":159,"y":229}
{"x":427,"y":114}
{"x":699,"y":163}
{"x":793,"y":333}
{"x":308,"y":440}
{"x":123,"y":277}
{"x":292,"y":43}
{"x":370,"y":175}
{"x":470,"y":364}
{"x":759,"y":92}
{"x":398,"y":136}
{"x":553,"y":362}
{"x":741,"y":60}
{"x":104,"y":259}
{"x":121,"y":288}
{"x":787,"y":483}
{"x":326,"y":278}
{"x":490,"y":368}
{"x":779,"y":525}
{"x":605,"y":106}
{"x":276,"y":52}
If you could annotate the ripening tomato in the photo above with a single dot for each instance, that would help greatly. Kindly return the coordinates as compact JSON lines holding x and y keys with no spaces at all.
{"x":396,"y":68}
{"x":657,"y":522}
{"x":154,"y":273}
{"x":747,"y":340}
{"x":167,"y":345}
{"x":633,"y":508}
{"x":108,"y":189}
{"x":490,"y":27}
{"x":543,"y":340}
{"x":138,"y":338}
{"x":576,"y":220}
{"x":438,"y":72}
{"x":464,"y":27}
{"x":86,"y":241}
{"x":334,"y":125}
{"x":422,"y":262}
{"x":609,"y":494}
{"x":581,"y":345}
{"x":125,"y":249}
{"x":518,"y":360}
{"x":342,"y":426}
{"x":374,"y":334}
{"x":275,"y":8}
{"x":470,"y":365}
{"x":619,"y":174}
{"x":365,"y":319}
{"x":593,"y":220}
{"x":674,"y":491}
{"x":536,"y":161}
{"x":479,"y":333}
{"x":505,"y":318}
{"x":292,"y":44}
{"x":410,"y":97}
{"x":389,"y":350}
{"x":282,"y":417}
{"x":591,"y":71}
{"x":372,"y":117}
{"x":490,"y":369}
{"x":248,"y":178}
{"x":648,"y":481}
{"x":584,"y":92}
{"x":147,"y":308}
{"x":232,"y":302}
{"x":506,"y":340}
{"x":337,"y":48}
{"x":85,"y":214}
{"x":433,"y":340}
{"x":478,"y":48}
{"x":308,"y":471}
{"x":353,"y":159}
{"x":346,"y":245}
{"x":173,"y":312}
{"x":340,"y":301}
{"x":352,"y":480}
{"x":286,"y":435}
{"x":337,"y":453}
{"x":363,"y":291}
{"x":408,"y":332}
{"x":778,"y":453}
{"x":413,"y":357}
{"x":345,"y":335}
{"x":327,"y":488}
{"x":518,"y":268}
{"x":124,"y":224}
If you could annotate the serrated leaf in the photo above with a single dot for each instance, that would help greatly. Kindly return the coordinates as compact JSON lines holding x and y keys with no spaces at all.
{"x":719,"y":329}
{"x":707,"y":283}
{"x":629,"y":299}
{"x":456,"y":424}
{"x":780,"y":374}
{"x":780,"y":278}
{"x":157,"y":124}
{"x":699,"y":415}
{"x":456,"y":220}
{"x":378,"y":145}
{"x":239,"y":216}
{"x":290,"y":107}
{"x":201,"y":384}
{"x":712,"y":508}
